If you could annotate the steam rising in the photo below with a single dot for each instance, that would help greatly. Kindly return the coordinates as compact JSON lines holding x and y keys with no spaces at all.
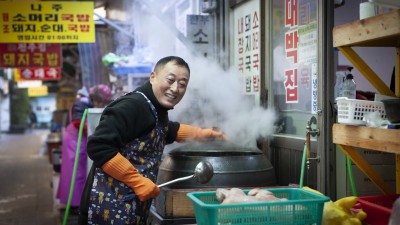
{"x":214,"y":97}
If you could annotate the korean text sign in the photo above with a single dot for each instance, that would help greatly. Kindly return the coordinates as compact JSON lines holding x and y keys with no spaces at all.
{"x":301,"y":45}
{"x":247,"y":46}
{"x":201,"y":32}
{"x":291,"y":49}
{"x":37,"y":74}
{"x":35,"y":55}
{"x":47,"y":22}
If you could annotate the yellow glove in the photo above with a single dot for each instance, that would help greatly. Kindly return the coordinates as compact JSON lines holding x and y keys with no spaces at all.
{"x":339,"y":213}
{"x":186,"y":132}
{"x":121,"y":169}
{"x":346,"y":203}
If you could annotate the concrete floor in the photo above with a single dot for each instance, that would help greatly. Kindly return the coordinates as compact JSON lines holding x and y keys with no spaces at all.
{"x":26,"y":175}
{"x":28,"y":182}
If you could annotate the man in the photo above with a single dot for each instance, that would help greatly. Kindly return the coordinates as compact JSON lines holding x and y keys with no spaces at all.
{"x":128,"y":143}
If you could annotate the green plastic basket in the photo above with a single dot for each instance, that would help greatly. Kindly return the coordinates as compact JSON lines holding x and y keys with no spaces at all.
{"x":302,"y":207}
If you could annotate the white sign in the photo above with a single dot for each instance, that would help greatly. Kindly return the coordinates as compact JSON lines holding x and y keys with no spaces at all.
{"x":247,"y":43}
{"x":200,"y":31}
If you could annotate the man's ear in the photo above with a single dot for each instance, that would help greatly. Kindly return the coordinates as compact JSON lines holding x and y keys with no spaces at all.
{"x":152,"y":77}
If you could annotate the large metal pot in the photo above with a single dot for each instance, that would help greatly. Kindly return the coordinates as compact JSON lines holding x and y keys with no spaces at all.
{"x":234,"y":166}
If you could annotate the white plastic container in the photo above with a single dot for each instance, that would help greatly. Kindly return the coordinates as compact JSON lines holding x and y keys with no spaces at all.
{"x":93,"y":118}
{"x":340,"y":76}
{"x":376,"y":7}
{"x":349,"y":86}
{"x":352,"y":111}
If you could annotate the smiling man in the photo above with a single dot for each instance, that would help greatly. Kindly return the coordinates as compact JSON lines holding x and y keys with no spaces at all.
{"x":127,"y":145}
{"x":169,"y":81}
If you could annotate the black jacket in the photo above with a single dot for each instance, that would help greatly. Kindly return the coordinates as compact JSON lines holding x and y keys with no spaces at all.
{"x":123,"y":120}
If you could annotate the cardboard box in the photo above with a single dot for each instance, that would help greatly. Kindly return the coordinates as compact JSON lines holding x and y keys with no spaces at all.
{"x":365,"y":186}
{"x":377,"y":157}
{"x":173,"y":203}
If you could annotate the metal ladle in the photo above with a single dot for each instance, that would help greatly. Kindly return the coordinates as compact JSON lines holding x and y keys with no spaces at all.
{"x":203,"y":173}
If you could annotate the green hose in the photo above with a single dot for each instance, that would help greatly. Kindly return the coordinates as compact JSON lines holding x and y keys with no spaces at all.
{"x":78,"y":150}
{"x":351,"y":178}
{"x":303,"y":165}
{"x":349,"y":171}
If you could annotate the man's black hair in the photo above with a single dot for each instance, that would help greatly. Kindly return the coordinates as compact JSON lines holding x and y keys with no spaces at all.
{"x":177,"y":60}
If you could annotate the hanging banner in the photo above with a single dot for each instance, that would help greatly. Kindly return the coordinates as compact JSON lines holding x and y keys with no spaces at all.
{"x":30,"y":55}
{"x":47,"y":22}
{"x":200,"y":31}
{"x":38,"y":74}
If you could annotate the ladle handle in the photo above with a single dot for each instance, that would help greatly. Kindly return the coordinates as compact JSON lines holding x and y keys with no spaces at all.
{"x":176,"y":180}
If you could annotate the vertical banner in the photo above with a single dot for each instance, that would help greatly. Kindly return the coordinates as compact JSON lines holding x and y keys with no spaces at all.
{"x":295,"y":52}
{"x":291,"y":50}
{"x":200,"y":31}
{"x":47,"y":22}
{"x":247,"y":46}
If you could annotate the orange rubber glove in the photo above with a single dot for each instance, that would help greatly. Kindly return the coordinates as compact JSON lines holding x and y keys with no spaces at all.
{"x":186,"y":132}
{"x":121,"y":169}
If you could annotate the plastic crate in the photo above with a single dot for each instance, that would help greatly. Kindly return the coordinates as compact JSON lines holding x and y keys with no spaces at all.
{"x":378,"y":208}
{"x":302,"y":207}
{"x":352,"y":111}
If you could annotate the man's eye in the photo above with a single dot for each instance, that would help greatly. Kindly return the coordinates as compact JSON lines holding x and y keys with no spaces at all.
{"x":182,"y":84}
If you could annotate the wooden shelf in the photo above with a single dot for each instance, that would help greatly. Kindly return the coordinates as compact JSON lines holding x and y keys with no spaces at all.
{"x":379,"y":31}
{"x":385,"y":140}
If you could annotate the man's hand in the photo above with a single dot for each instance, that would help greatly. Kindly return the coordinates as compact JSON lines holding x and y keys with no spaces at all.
{"x":144,"y":188}
{"x":210,"y":134}
{"x":121,"y":169}
{"x":187,"y":132}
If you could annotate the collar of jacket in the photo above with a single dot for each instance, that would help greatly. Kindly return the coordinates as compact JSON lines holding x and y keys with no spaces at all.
{"x":147,"y":89}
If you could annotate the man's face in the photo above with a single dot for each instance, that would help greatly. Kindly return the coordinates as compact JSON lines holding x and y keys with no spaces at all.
{"x":169,"y":84}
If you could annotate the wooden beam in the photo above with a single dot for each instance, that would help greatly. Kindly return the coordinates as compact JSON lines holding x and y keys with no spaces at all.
{"x":366,"y":71}
{"x":381,"y":30}
{"x":366,"y":169}
{"x":385,"y":140}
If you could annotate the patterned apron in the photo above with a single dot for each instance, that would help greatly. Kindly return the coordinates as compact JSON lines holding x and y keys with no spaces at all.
{"x":113,"y":202}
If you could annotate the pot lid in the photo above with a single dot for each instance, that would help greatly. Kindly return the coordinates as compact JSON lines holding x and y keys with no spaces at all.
{"x":213,"y":148}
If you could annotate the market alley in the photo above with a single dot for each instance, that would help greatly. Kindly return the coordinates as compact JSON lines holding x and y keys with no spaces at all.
{"x":26,"y":194}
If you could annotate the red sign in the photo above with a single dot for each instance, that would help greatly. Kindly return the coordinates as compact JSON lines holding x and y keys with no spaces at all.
{"x":291,"y":49}
{"x":40,"y":74}
{"x":30,"y":55}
